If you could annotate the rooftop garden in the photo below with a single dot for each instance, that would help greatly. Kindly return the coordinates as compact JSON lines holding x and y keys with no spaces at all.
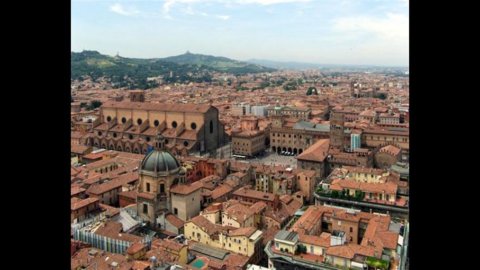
{"x":358,"y":196}
{"x":377,"y":263}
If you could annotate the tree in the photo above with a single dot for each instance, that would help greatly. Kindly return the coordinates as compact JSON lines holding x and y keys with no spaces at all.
{"x":94,"y":104}
{"x":382,"y":96}
{"x":311,"y":90}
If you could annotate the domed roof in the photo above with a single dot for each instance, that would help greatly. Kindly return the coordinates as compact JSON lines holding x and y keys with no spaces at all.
{"x":159,"y":162}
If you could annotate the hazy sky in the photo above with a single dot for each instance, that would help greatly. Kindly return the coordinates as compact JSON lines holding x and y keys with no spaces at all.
{"x":317,"y":31}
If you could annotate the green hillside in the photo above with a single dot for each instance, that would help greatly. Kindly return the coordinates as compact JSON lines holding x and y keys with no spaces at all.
{"x":133,"y":72}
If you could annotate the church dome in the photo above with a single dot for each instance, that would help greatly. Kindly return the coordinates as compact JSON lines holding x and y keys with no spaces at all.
{"x":159,"y":163}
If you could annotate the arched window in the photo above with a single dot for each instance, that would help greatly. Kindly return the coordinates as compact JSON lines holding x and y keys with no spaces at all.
{"x":130,"y":136}
{"x":99,"y":133}
{"x":109,"y":118}
{"x":156,"y":123}
{"x":139,"y":121}
{"x":211,"y":126}
{"x":193,"y":126}
{"x":185,"y":143}
{"x":124,"y":120}
{"x":174,"y":124}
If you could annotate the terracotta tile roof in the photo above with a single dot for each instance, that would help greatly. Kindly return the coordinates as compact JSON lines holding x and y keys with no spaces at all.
{"x":349,"y":251}
{"x":98,"y":189}
{"x":79,"y":149}
{"x":322,"y":240}
{"x":220,"y":191}
{"x":188,"y":135}
{"x":186,"y":189}
{"x":93,"y":156}
{"x":77,"y":204}
{"x":113,"y":230}
{"x":205,"y":225}
{"x":145,"y":195}
{"x":140,"y":265}
{"x":238,"y":212}
{"x":164,"y":107}
{"x":135,"y":248}
{"x":132,"y":194}
{"x":317,"y":152}
{"x":393,"y":150}
{"x":110,"y":210}
{"x":127,"y":178}
{"x":388,"y":187}
{"x":258,"y":207}
{"x":250,"y":193}
{"x":247,"y":231}
{"x":308,"y":220}
{"x":167,"y":245}
{"x":175,"y":221}
{"x":101,"y":261}
{"x":74,"y":190}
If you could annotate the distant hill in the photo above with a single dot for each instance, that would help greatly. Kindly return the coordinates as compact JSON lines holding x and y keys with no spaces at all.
{"x":134,"y":72}
{"x":218,"y":63}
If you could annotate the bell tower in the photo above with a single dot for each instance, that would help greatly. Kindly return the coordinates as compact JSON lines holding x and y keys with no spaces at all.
{"x":337,"y":123}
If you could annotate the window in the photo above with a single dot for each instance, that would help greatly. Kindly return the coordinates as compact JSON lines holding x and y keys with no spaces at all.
{"x":193,"y":126}
{"x":156,"y":123}
{"x":109,"y":118}
{"x":162,"y":188}
{"x":211,"y":126}
{"x":114,"y":135}
{"x":239,"y":241}
{"x":311,"y":249}
{"x":148,"y":187}
{"x":99,"y":133}
{"x":193,"y":234}
{"x":185,"y":143}
{"x":193,"y":199}
{"x":229,"y":244}
{"x":174,"y":124}
{"x":175,"y":211}
{"x":139,"y":121}
{"x":145,"y":208}
{"x":147,"y":138}
{"x":130,"y":137}
{"x":351,"y":229}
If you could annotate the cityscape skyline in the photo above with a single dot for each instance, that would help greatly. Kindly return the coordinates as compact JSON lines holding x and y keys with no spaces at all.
{"x":327,"y":32}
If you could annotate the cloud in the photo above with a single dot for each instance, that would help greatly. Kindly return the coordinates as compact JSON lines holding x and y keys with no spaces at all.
{"x":167,"y":6}
{"x":223,"y":17}
{"x":392,"y":27}
{"x":119,"y":9}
